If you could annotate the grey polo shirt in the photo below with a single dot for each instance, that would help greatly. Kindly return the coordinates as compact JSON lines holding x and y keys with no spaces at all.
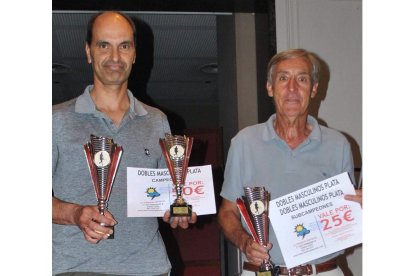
{"x":138,"y":248}
{"x":258,"y":157}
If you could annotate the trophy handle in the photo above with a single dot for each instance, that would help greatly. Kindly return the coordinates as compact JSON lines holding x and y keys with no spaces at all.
{"x":244,"y":214}
{"x":113,"y":168}
{"x":167,"y":159}
{"x":89,"y":160}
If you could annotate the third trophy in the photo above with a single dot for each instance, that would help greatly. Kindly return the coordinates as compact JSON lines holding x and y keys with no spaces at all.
{"x":103,"y":157}
{"x":254,"y":208}
{"x":176,"y":150}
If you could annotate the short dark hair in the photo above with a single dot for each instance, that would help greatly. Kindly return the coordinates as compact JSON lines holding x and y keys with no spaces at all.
{"x":95,"y":16}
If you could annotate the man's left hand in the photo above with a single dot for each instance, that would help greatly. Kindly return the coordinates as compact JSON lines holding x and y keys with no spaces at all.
{"x":357,"y":197}
{"x":183,"y":222}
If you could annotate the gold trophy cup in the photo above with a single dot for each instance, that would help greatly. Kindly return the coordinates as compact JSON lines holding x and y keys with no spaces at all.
{"x":176,"y":150}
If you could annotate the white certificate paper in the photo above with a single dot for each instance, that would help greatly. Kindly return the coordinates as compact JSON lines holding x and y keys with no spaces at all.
{"x":151,"y":192}
{"x":316,"y":221}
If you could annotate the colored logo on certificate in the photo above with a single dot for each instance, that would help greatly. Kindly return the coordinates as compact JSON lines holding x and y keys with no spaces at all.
{"x":151,"y":192}
{"x":301,"y":230}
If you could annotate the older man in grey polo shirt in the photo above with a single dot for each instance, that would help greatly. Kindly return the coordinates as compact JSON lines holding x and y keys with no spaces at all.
{"x":288,"y":152}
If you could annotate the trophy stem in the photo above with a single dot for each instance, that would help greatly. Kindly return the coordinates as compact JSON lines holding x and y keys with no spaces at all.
{"x":102,"y":205}
{"x":179,"y":200}
{"x":266,"y":266}
{"x":179,"y":192}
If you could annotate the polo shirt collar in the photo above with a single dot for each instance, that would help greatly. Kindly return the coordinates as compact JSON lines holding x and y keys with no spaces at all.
{"x":270,"y":134}
{"x":85,"y":104}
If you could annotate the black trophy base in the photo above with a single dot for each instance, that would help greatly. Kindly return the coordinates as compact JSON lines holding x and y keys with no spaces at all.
{"x":177,"y":210}
{"x":112,"y":236}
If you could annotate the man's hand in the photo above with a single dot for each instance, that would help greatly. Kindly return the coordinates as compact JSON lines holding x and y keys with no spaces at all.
{"x":357,"y":197}
{"x":230,"y":222}
{"x":183,"y":222}
{"x":89,"y":220}
{"x":256,"y":253}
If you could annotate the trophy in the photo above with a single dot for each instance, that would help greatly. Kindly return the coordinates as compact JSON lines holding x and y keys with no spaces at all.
{"x":254,"y":209}
{"x":176,"y":150}
{"x":103,"y":157}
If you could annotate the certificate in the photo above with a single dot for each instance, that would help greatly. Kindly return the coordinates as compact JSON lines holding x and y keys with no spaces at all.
{"x":316,"y":221}
{"x":151,"y":191}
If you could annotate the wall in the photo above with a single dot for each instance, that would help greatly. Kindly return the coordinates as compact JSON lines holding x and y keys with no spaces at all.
{"x":333,"y":30}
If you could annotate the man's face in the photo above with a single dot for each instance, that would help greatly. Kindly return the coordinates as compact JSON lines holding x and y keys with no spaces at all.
{"x":112,"y":49}
{"x":292,"y":87}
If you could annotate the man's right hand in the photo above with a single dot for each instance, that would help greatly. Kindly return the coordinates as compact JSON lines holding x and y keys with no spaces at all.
{"x":256,"y":253}
{"x":89,"y":220}
{"x":230,"y":222}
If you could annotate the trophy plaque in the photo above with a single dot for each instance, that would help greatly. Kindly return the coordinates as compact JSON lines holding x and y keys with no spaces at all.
{"x":176,"y":150}
{"x":103,"y":157}
{"x":254,"y":209}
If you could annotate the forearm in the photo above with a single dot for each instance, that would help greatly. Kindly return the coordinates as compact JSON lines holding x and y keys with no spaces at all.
{"x":232,"y":229}
{"x":63,"y":212}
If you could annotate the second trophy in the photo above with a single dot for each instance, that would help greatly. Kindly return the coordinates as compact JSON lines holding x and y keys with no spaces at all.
{"x":254,"y":209}
{"x":176,"y":150}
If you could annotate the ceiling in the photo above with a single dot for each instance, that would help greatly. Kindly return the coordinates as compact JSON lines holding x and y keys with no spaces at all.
{"x":172,"y":49}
